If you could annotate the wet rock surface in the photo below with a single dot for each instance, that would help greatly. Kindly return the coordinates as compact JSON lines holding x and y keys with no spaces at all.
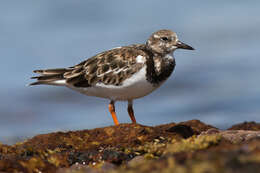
{"x":185,"y":147}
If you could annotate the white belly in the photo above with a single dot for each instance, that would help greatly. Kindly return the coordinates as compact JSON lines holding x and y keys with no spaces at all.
{"x":134,"y":87}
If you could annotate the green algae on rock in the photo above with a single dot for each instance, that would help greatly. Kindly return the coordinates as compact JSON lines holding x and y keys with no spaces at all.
{"x":181,"y":147}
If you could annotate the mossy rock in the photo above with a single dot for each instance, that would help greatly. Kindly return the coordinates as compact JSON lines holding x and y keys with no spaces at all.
{"x":184,"y":147}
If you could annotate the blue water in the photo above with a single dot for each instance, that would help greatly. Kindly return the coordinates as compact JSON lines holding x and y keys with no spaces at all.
{"x":218,"y":83}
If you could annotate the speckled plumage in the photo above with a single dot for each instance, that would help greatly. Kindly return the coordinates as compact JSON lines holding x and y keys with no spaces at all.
{"x":110,"y":68}
{"x":123,"y":73}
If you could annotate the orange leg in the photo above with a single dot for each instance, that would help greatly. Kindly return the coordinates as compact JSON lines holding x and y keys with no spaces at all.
{"x":111,"y":108}
{"x":131,"y":111}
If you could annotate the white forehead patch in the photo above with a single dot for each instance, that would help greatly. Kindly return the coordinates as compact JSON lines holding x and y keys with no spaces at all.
{"x":117,"y":47}
{"x":140,"y":59}
{"x":169,"y":56}
{"x":156,"y":36}
{"x":174,"y":47}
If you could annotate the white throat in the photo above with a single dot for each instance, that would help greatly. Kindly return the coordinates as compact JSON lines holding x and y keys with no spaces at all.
{"x":169,"y":56}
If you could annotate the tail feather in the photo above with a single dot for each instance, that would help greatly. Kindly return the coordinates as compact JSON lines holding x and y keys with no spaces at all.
{"x":52,"y":71}
{"x":50,"y":76}
{"x":38,"y":83}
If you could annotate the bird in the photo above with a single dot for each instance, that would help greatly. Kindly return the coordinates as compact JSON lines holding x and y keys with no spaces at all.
{"x":122,"y":73}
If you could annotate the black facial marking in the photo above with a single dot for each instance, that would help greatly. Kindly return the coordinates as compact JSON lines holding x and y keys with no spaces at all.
{"x":164,"y":39}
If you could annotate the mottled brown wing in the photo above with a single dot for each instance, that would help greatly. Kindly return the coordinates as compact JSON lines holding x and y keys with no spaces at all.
{"x":110,"y":68}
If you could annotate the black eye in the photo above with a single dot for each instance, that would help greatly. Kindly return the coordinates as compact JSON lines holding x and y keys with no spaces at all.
{"x":164,"y":39}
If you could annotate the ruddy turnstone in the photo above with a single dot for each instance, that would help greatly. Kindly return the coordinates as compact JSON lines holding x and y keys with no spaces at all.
{"x":120,"y":74}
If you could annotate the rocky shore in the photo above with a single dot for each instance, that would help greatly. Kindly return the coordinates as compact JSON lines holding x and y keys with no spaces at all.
{"x":187,"y":147}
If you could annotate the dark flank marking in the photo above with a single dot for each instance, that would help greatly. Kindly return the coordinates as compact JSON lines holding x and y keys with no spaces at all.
{"x":82,"y":83}
{"x":78,"y":81}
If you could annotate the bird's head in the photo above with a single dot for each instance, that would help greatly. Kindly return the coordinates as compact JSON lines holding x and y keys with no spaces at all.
{"x":165,"y":42}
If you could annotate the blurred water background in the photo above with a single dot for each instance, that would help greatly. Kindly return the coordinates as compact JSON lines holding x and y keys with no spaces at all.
{"x":218,"y":83}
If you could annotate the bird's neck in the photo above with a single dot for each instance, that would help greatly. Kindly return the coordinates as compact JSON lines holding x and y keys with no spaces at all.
{"x":159,"y":68}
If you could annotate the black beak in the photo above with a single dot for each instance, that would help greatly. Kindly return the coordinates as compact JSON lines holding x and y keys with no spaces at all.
{"x":182,"y":45}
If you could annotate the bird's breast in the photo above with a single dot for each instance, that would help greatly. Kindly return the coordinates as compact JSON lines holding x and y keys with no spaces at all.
{"x":159,"y":68}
